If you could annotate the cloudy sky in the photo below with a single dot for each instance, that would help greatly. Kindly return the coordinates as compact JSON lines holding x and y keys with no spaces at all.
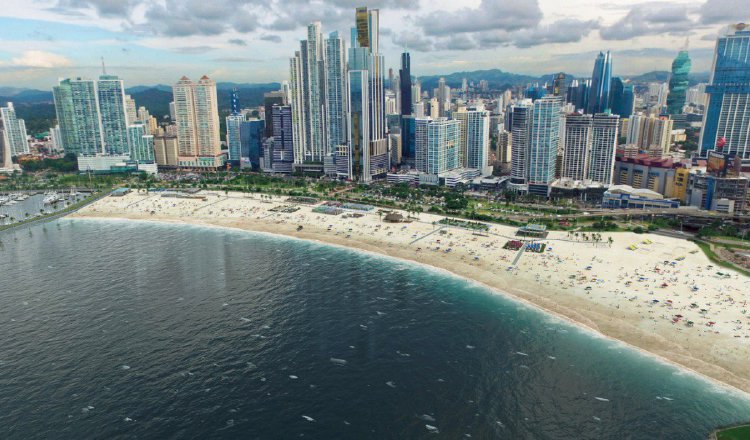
{"x":157,"y":41}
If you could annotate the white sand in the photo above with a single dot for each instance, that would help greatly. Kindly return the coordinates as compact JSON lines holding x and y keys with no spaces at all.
{"x":622,"y":284}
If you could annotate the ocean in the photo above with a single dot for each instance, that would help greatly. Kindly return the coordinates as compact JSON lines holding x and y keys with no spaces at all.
{"x":117,"y":329}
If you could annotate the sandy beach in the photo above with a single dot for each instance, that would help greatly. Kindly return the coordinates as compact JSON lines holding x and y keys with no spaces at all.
{"x":656,"y":293}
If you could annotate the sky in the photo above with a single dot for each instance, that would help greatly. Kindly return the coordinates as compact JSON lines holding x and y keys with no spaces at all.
{"x":149,"y":42}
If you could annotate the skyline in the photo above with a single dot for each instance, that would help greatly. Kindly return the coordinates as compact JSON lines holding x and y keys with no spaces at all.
{"x":191,"y":38}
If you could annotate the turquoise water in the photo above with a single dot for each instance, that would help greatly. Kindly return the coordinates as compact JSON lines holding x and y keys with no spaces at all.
{"x":115,"y":329}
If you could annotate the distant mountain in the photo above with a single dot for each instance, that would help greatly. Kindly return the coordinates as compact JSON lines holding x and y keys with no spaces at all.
{"x":154,"y":99}
{"x":496,"y":78}
{"x":139,"y":89}
{"x":663,"y":76}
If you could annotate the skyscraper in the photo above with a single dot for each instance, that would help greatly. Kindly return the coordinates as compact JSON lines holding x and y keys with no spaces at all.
{"x":368,"y":144}
{"x":141,"y":144}
{"x":252,"y":133}
{"x":678,"y":83}
{"x":13,"y":132}
{"x":307,"y":72}
{"x":520,"y":116}
{"x":603,"y":145}
{"x":577,"y":148}
{"x":621,"y":98}
{"x":443,"y":98}
{"x":197,"y":118}
{"x":728,"y":104}
{"x":271,"y":99}
{"x":601,"y":80}
{"x":437,"y":145}
{"x":234,"y":139}
{"x":474,"y":129}
{"x":560,"y":86}
{"x":544,"y":142}
{"x":77,"y":109}
{"x":282,"y":159}
{"x":335,"y":98}
{"x":404,"y":75}
{"x":113,"y":112}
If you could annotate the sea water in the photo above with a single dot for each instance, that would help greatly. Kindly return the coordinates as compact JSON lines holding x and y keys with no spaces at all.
{"x":118,"y":329}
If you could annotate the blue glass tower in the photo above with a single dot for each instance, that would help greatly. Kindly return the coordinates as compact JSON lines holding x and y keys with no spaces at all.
{"x":678,"y":83}
{"x":251,"y":142}
{"x":601,"y":83}
{"x":728,"y":104}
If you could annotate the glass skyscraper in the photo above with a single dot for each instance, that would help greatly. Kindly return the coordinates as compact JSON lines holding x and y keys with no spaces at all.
{"x":544,"y":142}
{"x":141,"y":144}
{"x":251,"y":141}
{"x":13,"y":131}
{"x":77,"y":109}
{"x":111,"y":95}
{"x":622,"y":98}
{"x":601,"y":81}
{"x":678,"y":83}
{"x":335,"y":101}
{"x":234,"y":142}
{"x":727,"y":113}
{"x":404,"y":75}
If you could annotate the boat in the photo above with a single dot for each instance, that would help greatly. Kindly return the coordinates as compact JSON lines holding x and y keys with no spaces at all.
{"x":51,"y":198}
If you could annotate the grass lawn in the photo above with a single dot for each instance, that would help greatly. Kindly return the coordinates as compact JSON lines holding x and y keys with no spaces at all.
{"x":736,"y":433}
{"x":719,"y":262}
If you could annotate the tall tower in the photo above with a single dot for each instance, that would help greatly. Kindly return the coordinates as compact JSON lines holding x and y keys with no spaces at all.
{"x":184,"y":108}
{"x":601,"y":80}
{"x":678,"y":83}
{"x":77,"y":110}
{"x":520,"y":128}
{"x":577,"y":146}
{"x":307,"y":71}
{"x":544,"y":143}
{"x":13,"y":134}
{"x":368,"y":144}
{"x":603,"y":145}
{"x":335,"y":99}
{"x":404,"y":75}
{"x":113,"y":111}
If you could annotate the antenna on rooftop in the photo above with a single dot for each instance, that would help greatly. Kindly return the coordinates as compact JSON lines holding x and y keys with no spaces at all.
{"x":104,"y":68}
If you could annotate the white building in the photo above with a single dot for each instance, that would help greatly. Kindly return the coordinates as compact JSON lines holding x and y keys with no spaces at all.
{"x":13,"y":131}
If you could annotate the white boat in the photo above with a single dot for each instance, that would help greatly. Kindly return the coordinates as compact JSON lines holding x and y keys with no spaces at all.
{"x":50,"y":198}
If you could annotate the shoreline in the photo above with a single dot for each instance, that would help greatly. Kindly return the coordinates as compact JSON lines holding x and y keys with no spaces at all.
{"x":592,"y":317}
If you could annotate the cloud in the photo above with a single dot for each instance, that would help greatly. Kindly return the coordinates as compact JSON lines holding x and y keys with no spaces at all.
{"x":104,"y":8}
{"x":192,"y":50}
{"x":40,"y":59}
{"x":724,"y":11}
{"x":237,"y":42}
{"x":271,"y":38}
{"x":490,"y":15}
{"x":411,"y":40}
{"x":237,"y":60}
{"x":182,"y":18}
{"x":569,"y":30}
{"x":649,"y":20}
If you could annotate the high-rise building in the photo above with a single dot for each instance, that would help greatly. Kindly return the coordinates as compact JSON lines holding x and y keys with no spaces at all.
{"x":727,"y":114}
{"x":560,"y":86}
{"x":335,"y":98}
{"x":577,"y":150}
{"x":282,"y":157}
{"x":474,"y":137}
{"x":405,"y":85}
{"x":621,"y":98}
{"x":368,"y":144}
{"x":141,"y":144}
{"x":544,"y":142}
{"x":437,"y":145}
{"x":307,"y":72}
{"x":678,"y":83}
{"x":578,"y":94}
{"x":520,"y":116}
{"x":251,"y":141}
{"x":6,"y":161}
{"x":13,"y":132}
{"x":270,"y":99}
{"x":113,"y":114}
{"x":130,"y":110}
{"x":77,"y":109}
{"x":197,"y":119}
{"x":443,"y":98}
{"x":648,"y":132}
{"x":601,"y":164}
{"x":234,"y":140}
{"x":601,"y":79}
